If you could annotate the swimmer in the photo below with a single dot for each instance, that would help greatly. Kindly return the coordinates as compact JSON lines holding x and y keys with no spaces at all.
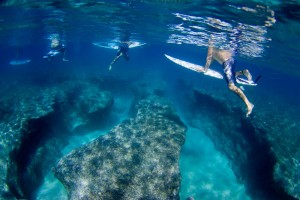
{"x":225,"y":58}
{"x":56,"y":48}
{"x":122,"y":51}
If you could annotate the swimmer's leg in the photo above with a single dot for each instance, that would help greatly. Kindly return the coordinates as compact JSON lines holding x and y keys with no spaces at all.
{"x":244,"y":72}
{"x":115,"y":60}
{"x":64,"y":57}
{"x":241,"y":94}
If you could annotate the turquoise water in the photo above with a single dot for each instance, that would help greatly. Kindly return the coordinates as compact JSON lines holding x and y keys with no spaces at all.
{"x":264,"y":35}
{"x":209,"y":177}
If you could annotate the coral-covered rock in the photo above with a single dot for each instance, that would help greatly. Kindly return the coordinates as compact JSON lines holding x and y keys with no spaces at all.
{"x":283,"y":134}
{"x":35,"y":125}
{"x":20,"y":105}
{"x":144,"y":89}
{"x":138,"y":159}
{"x":261,"y":158}
{"x":88,"y":107}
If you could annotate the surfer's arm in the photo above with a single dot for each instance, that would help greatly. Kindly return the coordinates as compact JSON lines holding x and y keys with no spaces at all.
{"x":209,"y":58}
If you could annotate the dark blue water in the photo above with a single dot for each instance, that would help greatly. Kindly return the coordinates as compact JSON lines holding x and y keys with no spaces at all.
{"x":263,"y":34}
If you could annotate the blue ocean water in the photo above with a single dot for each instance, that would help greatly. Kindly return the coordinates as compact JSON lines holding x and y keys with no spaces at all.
{"x":264,"y":35}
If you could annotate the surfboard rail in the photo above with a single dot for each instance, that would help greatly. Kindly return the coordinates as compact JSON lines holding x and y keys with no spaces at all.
{"x":194,"y":67}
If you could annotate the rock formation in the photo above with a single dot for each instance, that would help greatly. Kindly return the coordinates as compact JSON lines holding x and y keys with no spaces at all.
{"x":138,"y":159}
{"x":251,"y":146}
{"x":35,"y":126}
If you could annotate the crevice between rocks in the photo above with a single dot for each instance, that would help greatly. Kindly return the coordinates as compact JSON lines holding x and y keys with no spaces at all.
{"x":39,"y":150}
{"x":259,"y":166}
{"x":42,"y":142}
{"x":244,"y":145}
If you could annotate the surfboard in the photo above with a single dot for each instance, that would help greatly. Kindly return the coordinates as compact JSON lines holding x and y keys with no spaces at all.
{"x":19,"y":62}
{"x":115,"y":45}
{"x":194,"y":67}
{"x":210,"y":72}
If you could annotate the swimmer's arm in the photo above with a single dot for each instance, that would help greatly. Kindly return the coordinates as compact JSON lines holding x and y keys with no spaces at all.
{"x":209,"y":58}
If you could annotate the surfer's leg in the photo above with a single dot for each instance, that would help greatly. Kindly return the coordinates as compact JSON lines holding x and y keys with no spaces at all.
{"x":230,"y":78}
{"x":238,"y":73}
{"x":126,"y":56}
{"x":115,"y":60}
{"x":244,"y":72}
{"x":64,"y":56}
{"x":241,"y":94}
{"x":247,"y":74}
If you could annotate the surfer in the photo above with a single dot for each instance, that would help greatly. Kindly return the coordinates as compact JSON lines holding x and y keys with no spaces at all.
{"x":225,"y":58}
{"x":122,"y":51}
{"x":56,"y":48}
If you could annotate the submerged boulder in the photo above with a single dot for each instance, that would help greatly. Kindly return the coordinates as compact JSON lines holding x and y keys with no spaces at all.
{"x":138,"y":159}
{"x":87,"y":107}
{"x":35,"y":124}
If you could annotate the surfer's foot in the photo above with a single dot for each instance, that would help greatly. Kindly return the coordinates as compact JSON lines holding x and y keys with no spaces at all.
{"x":250,"y":108}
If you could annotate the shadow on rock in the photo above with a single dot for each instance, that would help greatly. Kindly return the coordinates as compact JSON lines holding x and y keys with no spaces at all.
{"x":245,"y":146}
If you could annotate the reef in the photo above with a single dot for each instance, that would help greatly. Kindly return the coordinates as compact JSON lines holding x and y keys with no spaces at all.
{"x":145,"y":88}
{"x":282,"y":132}
{"x":85,"y":106}
{"x":266,"y":165}
{"x":36,"y":123}
{"x":138,"y":159}
{"x":20,"y":105}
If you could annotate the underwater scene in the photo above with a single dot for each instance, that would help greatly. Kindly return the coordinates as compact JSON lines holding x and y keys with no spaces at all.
{"x":150,"y":100}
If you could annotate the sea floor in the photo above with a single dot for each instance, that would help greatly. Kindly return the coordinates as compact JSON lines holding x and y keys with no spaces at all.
{"x":206,"y":173}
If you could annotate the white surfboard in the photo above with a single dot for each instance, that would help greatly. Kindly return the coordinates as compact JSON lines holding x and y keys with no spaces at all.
{"x":194,"y":67}
{"x":210,"y":72}
{"x":115,"y":45}
{"x":19,"y":62}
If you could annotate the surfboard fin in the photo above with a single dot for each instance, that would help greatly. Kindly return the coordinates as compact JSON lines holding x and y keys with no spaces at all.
{"x":257,"y":78}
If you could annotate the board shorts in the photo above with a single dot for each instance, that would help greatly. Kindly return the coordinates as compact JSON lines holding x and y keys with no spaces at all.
{"x":229,"y":68}
{"x":123,"y":48}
